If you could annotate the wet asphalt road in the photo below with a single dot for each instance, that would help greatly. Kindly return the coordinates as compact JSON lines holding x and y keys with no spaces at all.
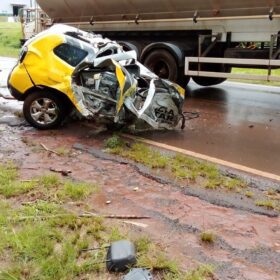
{"x":237,"y":123}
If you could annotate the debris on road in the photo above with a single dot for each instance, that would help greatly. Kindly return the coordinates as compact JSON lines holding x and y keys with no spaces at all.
{"x":139,"y":274}
{"x":120,"y":256}
{"x":49,"y":150}
{"x":61,"y":171}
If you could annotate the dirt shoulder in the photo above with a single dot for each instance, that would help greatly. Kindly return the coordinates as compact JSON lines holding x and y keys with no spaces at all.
{"x":247,"y":238}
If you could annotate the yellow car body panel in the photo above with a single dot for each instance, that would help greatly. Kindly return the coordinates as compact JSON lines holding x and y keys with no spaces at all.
{"x":43,"y":68}
{"x":20,"y":80}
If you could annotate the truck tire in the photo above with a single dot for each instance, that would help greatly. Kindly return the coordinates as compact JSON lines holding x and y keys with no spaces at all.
{"x":183,"y":80}
{"x":163,"y":64}
{"x":44,"y":110}
{"x":206,"y":81}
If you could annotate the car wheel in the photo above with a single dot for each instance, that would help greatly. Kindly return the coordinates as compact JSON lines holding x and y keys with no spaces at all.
{"x":44,"y":110}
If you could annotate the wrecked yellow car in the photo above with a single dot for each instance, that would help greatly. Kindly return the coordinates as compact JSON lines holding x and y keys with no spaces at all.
{"x":64,"y":68}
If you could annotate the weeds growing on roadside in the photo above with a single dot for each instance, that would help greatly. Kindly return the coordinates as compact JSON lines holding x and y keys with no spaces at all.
{"x":114,"y":142}
{"x":63,"y":151}
{"x":77,"y":191}
{"x":41,"y":239}
{"x":208,"y":237}
{"x":179,"y":166}
{"x":202,"y":272}
{"x":269,"y":204}
{"x":137,"y":152}
{"x":151,"y":256}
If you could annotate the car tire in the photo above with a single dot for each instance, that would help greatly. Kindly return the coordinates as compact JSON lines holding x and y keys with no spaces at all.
{"x":44,"y":110}
{"x":163,"y":64}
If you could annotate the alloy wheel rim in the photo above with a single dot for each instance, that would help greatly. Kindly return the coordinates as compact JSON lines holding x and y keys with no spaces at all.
{"x":44,"y":111}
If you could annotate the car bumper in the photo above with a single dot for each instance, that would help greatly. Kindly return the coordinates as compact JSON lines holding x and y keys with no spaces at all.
{"x":15,"y":93}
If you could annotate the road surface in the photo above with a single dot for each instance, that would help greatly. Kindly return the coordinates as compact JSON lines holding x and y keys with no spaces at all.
{"x":237,"y":122}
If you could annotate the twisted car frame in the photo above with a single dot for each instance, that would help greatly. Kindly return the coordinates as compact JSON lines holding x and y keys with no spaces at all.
{"x":64,"y":68}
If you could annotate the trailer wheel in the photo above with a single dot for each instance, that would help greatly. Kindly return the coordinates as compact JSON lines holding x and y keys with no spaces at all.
{"x":183,"y":80}
{"x":163,"y":64}
{"x":206,"y":81}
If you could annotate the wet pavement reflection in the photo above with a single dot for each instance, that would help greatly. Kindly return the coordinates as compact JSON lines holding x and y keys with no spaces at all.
{"x":238,"y":123}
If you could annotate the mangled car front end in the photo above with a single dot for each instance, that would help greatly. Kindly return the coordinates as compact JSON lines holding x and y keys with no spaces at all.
{"x":65,"y":67}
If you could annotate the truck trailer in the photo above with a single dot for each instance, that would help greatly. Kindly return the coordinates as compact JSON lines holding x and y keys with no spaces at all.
{"x":183,"y":39}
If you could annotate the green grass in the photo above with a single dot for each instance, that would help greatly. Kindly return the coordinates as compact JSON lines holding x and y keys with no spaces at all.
{"x":202,"y":272}
{"x":179,"y":166}
{"x":77,"y":191}
{"x":151,"y":256}
{"x":49,"y":186}
{"x":10,"y":35}
{"x":249,"y":194}
{"x":256,"y":72}
{"x":137,"y":152}
{"x":114,"y":142}
{"x":9,"y":186}
{"x":208,"y":237}
{"x":269,"y":204}
{"x":42,"y":240}
{"x":49,"y":181}
{"x":63,"y":151}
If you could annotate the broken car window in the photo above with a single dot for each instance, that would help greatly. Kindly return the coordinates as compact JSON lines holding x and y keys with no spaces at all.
{"x":70,"y":54}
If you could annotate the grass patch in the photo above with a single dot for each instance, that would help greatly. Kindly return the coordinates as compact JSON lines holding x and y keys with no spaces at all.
{"x":114,"y":142}
{"x":77,"y":191}
{"x":179,"y":166}
{"x":49,"y":181}
{"x":50,"y":248}
{"x":257,"y":72}
{"x":8,"y":173}
{"x":202,"y":272}
{"x":269,"y":204}
{"x":10,"y":35}
{"x":249,"y":194}
{"x":137,"y":152}
{"x":17,"y":188}
{"x":9,"y":186}
{"x":151,"y":256}
{"x":208,"y":237}
{"x":42,"y":240}
{"x":49,"y":186}
{"x":63,"y":151}
{"x":273,"y":194}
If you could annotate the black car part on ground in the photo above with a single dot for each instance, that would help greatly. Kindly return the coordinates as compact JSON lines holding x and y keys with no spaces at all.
{"x":120,"y":256}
